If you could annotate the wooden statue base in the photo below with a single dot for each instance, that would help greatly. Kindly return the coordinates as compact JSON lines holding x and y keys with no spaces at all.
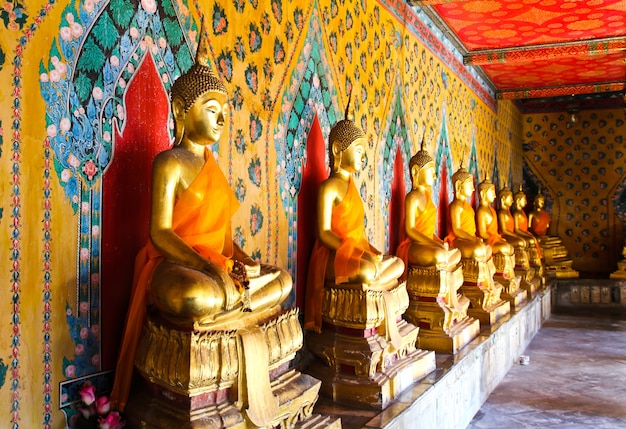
{"x":458,"y":336}
{"x":153,"y":407}
{"x":342,"y":385}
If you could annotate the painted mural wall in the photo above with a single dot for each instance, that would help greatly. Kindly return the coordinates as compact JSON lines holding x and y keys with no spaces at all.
{"x":84,"y":108}
{"x":580,"y":168}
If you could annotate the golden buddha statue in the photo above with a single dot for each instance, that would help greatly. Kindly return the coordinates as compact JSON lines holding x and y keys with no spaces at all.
{"x":503,"y":252}
{"x":556,"y":257}
{"x":478,"y":265}
{"x":520,"y":221}
{"x":353,"y":295}
{"x":204,"y":317}
{"x":434,"y":275}
{"x":462,"y":227}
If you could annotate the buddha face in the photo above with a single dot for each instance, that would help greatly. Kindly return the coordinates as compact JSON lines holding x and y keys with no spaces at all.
{"x":489,"y":195}
{"x":520,"y":201}
{"x":425,"y":176}
{"x":506,"y":200}
{"x":539,"y":203}
{"x":466,"y":189}
{"x":204,"y":122}
{"x":353,"y":158}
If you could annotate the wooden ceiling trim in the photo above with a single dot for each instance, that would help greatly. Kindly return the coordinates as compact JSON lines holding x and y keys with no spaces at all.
{"x":560,"y":91}
{"x":546,"y":52}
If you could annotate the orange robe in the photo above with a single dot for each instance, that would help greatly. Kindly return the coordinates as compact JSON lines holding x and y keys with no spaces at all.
{"x":425,"y":223}
{"x":347,"y":222}
{"x":523,"y":226}
{"x":492,"y":228}
{"x":541,"y":223}
{"x":202,"y":219}
{"x":468,"y":223}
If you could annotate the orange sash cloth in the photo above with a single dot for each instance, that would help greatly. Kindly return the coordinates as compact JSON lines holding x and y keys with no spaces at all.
{"x":492,"y":228}
{"x":541,"y":224}
{"x":348,"y":223}
{"x":425,"y":223}
{"x":203,"y":222}
{"x":468,"y":223}
{"x":523,"y":225}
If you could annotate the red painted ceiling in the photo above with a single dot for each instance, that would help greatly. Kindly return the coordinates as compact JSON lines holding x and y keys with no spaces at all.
{"x":540,"y":48}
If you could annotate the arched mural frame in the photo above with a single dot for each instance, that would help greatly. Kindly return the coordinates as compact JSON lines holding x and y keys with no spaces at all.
{"x":315,"y":95}
{"x":395,"y":135}
{"x":83,"y":84}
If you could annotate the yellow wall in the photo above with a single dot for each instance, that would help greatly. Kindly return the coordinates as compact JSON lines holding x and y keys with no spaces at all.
{"x":396,"y":76}
{"x":580,"y":168}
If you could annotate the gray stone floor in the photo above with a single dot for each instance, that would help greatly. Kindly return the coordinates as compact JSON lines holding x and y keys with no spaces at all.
{"x":576,"y":378}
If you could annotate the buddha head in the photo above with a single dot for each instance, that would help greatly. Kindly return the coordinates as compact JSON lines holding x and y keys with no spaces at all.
{"x":505,"y":197}
{"x":463,"y":183}
{"x":422,"y":168}
{"x":199,"y":99}
{"x":519,"y":198}
{"x":539,"y":201}
{"x":346,"y":145}
{"x":487,"y":191}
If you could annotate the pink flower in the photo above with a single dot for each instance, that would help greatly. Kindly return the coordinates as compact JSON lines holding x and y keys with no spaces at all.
{"x":112,"y":421}
{"x":87,"y":394}
{"x":103,"y":405}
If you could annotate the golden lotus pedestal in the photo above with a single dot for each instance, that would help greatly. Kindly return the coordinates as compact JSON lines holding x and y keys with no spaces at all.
{"x":511,"y":283}
{"x":557,"y":262}
{"x":620,"y":273}
{"x":237,"y":378}
{"x":531,"y":281}
{"x":365,"y":358}
{"x":483,"y":292}
{"x":439,"y":310}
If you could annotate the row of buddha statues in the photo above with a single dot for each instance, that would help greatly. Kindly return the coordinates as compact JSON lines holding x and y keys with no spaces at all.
{"x":207,"y":342}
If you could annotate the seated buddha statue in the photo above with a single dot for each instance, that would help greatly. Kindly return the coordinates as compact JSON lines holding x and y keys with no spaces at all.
{"x":342,"y":250}
{"x":520,"y":220}
{"x":487,"y":219}
{"x":506,"y":222}
{"x":422,"y":246}
{"x":554,"y":252}
{"x":462,"y":226}
{"x":191,"y":272}
{"x":354,"y":300}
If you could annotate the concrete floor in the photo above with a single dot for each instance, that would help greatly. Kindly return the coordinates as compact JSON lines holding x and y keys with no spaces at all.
{"x":576,"y":378}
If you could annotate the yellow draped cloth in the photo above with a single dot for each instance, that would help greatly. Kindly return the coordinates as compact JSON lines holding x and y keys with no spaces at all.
{"x":468,"y":223}
{"x":541,"y":223}
{"x":348,"y":223}
{"x":202,"y":219}
{"x":425,"y":223}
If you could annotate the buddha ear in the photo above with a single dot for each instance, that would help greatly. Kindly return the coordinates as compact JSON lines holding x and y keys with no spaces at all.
{"x":178,"y":111}
{"x":414,"y":173}
{"x":336,"y":151}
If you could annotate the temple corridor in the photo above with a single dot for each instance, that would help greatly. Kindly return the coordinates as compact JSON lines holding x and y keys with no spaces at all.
{"x":575,"y":378}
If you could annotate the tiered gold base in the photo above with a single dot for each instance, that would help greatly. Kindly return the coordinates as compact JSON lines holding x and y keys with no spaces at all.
{"x":240,"y":378}
{"x":341,"y":374}
{"x":531,"y":282}
{"x":483,"y":292}
{"x":512,"y":291}
{"x":366,"y":351}
{"x":620,"y":273}
{"x":437,"y":309}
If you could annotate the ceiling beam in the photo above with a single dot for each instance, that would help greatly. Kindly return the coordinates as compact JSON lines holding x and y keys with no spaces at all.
{"x":560,"y":91}
{"x":546,"y":52}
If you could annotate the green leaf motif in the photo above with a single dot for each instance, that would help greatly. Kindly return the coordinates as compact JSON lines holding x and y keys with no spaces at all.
{"x":123,"y":12}
{"x":92,"y":58}
{"x":173,"y":31}
{"x":105,"y":32}
{"x":3,"y":367}
{"x":83,"y":87}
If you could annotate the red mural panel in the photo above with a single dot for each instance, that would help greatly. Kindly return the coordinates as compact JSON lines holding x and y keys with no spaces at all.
{"x":126,"y":198}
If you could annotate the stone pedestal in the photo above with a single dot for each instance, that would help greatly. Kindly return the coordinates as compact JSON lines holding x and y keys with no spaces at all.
{"x":438,"y":308}
{"x":365,"y":353}
{"x":239,"y":378}
{"x":483,"y":292}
